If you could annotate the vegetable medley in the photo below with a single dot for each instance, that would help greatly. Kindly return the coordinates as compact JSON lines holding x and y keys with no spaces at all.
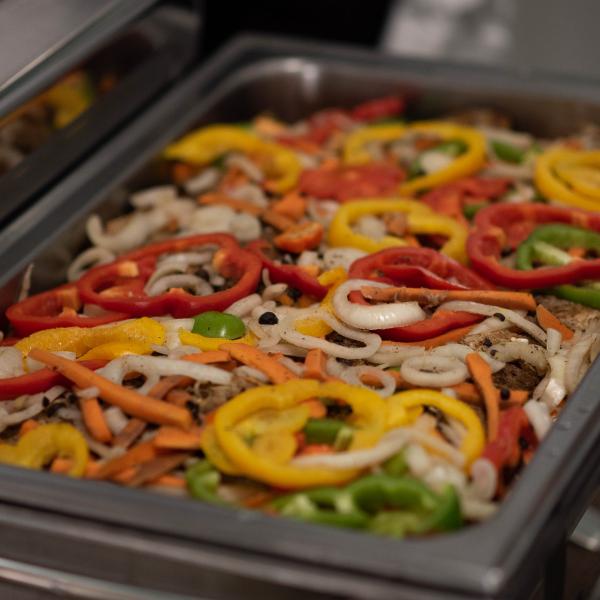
{"x":355,"y":320}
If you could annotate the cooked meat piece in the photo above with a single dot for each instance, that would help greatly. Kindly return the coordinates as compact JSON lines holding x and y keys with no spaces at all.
{"x":517,"y":376}
{"x":575,"y":316}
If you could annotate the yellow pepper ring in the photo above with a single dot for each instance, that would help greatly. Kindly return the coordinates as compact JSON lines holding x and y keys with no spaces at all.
{"x":369,"y":413}
{"x":466,"y":164}
{"x":205,"y":145}
{"x":570,"y":176}
{"x":474,"y":440}
{"x":41,"y":445}
{"x":421,"y":219}
{"x":354,"y":146}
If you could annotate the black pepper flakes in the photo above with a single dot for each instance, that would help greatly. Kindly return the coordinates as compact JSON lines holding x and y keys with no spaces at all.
{"x":504,"y":393}
{"x":294,"y":294}
{"x":523,"y":443}
{"x":500,"y":316}
{"x":487,"y":342}
{"x":268,"y":318}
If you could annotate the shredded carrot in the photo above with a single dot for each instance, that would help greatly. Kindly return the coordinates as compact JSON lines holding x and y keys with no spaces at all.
{"x":292,"y":205}
{"x":130,"y":401}
{"x":253,"y":357}
{"x":277,"y":220}
{"x":125,"y":476}
{"x":258,"y":499}
{"x":171,"y":481}
{"x":547,"y":320}
{"x":177,"y":439}
{"x":234,"y":203}
{"x":440,"y":340}
{"x":27,"y":426}
{"x":577,"y":252}
{"x":178,"y":397}
{"x":208,"y":357}
{"x":166,"y":384}
{"x":93,"y":419}
{"x":315,"y":365}
{"x":514,"y":300}
{"x":233,"y":178}
{"x":61,"y":465}
{"x":132,"y":458}
{"x":130,"y":433}
{"x":312,"y":449}
{"x":469,"y":393}
{"x":482,"y":377}
{"x":161,"y":465}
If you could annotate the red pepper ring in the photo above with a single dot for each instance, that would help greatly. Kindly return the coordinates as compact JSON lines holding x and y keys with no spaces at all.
{"x":55,"y":308}
{"x":417,"y":267}
{"x":97,"y":285}
{"x":39,"y":381}
{"x":502,"y":226}
{"x":290,"y":274}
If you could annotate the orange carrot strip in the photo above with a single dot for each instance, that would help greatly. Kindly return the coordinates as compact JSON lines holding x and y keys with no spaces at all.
{"x":61,"y":465}
{"x":125,"y":476}
{"x":482,"y":377}
{"x":178,"y":397}
{"x":171,"y":481}
{"x":440,"y":340}
{"x":312,"y":449}
{"x":93,"y":419}
{"x":152,"y":469}
{"x":26,"y":426}
{"x":208,"y":357}
{"x":468,"y":392}
{"x":132,"y":458}
{"x":92,"y":467}
{"x":253,"y":357}
{"x":130,"y":433}
{"x":224,"y":200}
{"x":577,"y":252}
{"x":177,"y":439}
{"x":166,"y":384}
{"x":315,"y":365}
{"x":292,"y":205}
{"x":277,"y":220}
{"x":130,"y":401}
{"x":514,"y":300}
{"x":547,"y":320}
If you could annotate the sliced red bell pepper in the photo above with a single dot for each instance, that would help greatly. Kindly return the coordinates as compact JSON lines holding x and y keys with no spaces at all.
{"x":343,"y":183}
{"x":380,"y":108}
{"x":501,"y":227}
{"x":104,"y":285}
{"x":292,"y":275}
{"x":450,"y":199}
{"x":506,"y":451}
{"x":417,"y":267}
{"x":39,"y":381}
{"x":55,"y":308}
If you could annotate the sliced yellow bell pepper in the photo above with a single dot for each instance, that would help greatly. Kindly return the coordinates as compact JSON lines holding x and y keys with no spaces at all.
{"x":80,"y":340}
{"x":467,"y":163}
{"x":421,"y":220}
{"x":214,"y":452}
{"x":112,"y":350}
{"x":369,"y":415}
{"x":208,"y":343}
{"x":570,"y":176}
{"x":203,"y":146}
{"x":474,"y":439}
{"x":41,"y":445}
{"x":354,"y":146}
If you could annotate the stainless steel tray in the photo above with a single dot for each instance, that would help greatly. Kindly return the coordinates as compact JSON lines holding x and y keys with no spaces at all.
{"x":140,"y":538}
{"x":144,"y":56}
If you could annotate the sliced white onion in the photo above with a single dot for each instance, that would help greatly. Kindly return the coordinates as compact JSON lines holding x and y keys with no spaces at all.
{"x":89,"y":392}
{"x":477,"y":510}
{"x":489,"y":325}
{"x":252,"y":193}
{"x":353,"y":375}
{"x":244,"y":164}
{"x":244,"y":306}
{"x":433,"y":161}
{"x":289,"y":333}
{"x":538,"y":414}
{"x":484,"y":309}
{"x":294,"y":367}
{"x":245,"y":227}
{"x":555,"y":390}
{"x":379,"y":316}
{"x":484,"y":479}
{"x":576,"y":362}
{"x":245,"y":371}
{"x":307,"y":258}
{"x":341,"y":257}
{"x":322,"y":211}
{"x":433,"y":371}
{"x":394,"y":355}
{"x":153,"y":196}
{"x":186,"y":259}
{"x":274,"y":290}
{"x":370,"y":226}
{"x":211,"y":219}
{"x":530,"y":353}
{"x":153,"y":367}
{"x":184,"y":280}
{"x":202,"y":182}
{"x":334,"y":368}
{"x":553,"y":341}
{"x":92,"y":257}
{"x":11,"y":362}
{"x":115,"y":419}
{"x":461,"y":351}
